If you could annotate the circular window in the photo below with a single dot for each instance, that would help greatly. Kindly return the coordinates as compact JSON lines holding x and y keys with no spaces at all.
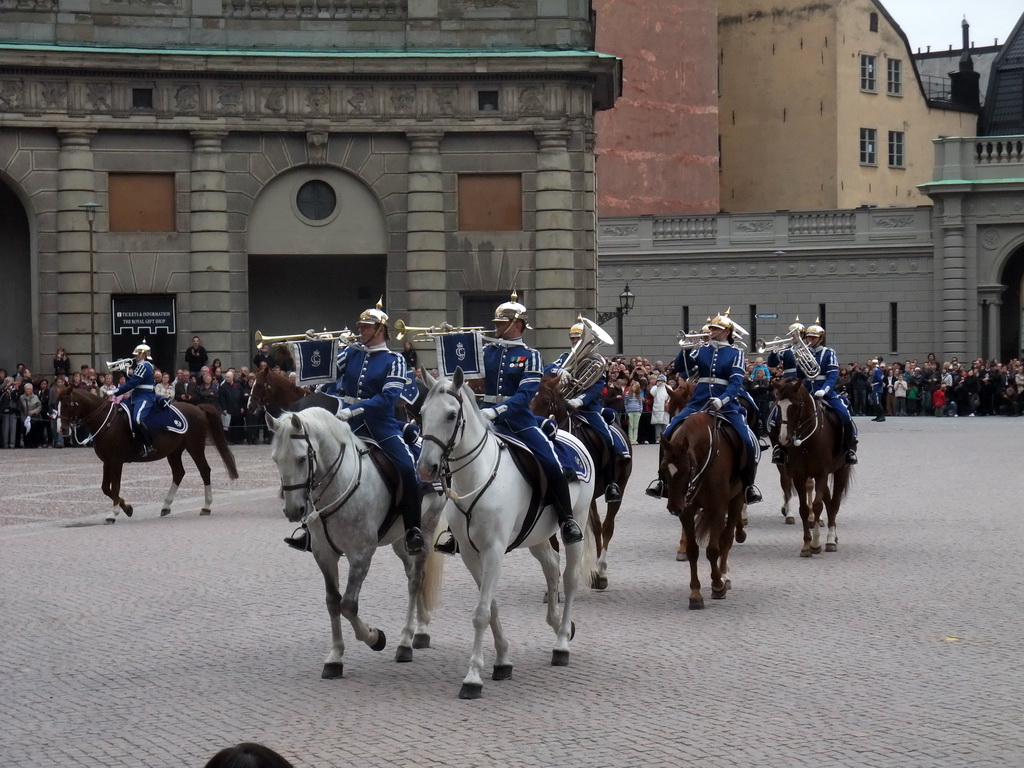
{"x":316,"y":200}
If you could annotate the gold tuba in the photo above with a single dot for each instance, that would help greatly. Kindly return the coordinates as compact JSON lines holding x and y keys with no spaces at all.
{"x":801,"y":351}
{"x":584,"y":365}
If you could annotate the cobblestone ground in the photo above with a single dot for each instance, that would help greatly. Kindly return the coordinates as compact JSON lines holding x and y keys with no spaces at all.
{"x":157,"y":641}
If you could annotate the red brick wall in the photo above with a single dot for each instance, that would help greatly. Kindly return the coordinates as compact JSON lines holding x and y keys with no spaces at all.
{"x":658,"y":148}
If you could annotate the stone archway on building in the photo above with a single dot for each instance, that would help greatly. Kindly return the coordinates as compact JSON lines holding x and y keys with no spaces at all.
{"x":16,"y":289}
{"x":317,"y":252}
{"x":1011,"y":306}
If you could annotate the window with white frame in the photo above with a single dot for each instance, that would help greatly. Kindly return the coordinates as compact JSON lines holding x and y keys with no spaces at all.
{"x":867,"y":73}
{"x":896,"y":149}
{"x":868,"y":142}
{"x":895,"y":81}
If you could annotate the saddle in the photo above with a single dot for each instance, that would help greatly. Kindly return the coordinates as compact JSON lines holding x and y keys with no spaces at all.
{"x":739,"y":447}
{"x":597,"y":448}
{"x":530,"y":468}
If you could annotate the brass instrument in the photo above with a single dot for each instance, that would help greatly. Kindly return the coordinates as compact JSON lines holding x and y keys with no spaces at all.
{"x":584,"y":365}
{"x":429,"y":332}
{"x":120,"y":366}
{"x":345,"y":336}
{"x":693,"y":340}
{"x":801,"y":351}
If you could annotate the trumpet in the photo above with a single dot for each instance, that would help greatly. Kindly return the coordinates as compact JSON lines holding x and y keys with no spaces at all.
{"x":122,"y":365}
{"x":401,"y":329}
{"x":345,"y":336}
{"x":801,"y":351}
{"x":775,"y":345}
{"x":693,"y":340}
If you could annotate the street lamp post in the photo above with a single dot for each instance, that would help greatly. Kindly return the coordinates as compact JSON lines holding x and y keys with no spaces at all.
{"x":626,"y":300}
{"x":90,"y":215}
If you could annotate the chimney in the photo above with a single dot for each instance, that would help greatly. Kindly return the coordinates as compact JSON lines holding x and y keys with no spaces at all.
{"x":965,"y":84}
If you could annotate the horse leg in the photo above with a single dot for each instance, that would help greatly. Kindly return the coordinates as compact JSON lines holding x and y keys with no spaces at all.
{"x":681,"y":555}
{"x":597,"y":578}
{"x":840,"y":481}
{"x":414,"y":575}
{"x":485,"y":566}
{"x":607,"y":531}
{"x":820,"y":491}
{"x":199,"y":457}
{"x":570,"y":584}
{"x":115,"y":490}
{"x":177,"y":473}
{"x":105,"y":487}
{"x":733,"y":526}
{"x":358,"y":567}
{"x":334,"y":664}
{"x":689,"y":541}
{"x":549,"y":563}
{"x":714,"y":551}
{"x":787,"y":495}
{"x":806,"y":515}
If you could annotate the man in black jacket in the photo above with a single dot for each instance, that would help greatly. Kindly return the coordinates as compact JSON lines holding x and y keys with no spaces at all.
{"x":232,"y":404}
{"x":196,"y":358}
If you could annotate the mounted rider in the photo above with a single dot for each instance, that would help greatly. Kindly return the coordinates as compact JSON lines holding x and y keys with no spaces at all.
{"x":822,"y":386}
{"x":142,"y":384}
{"x":721,"y":371}
{"x":590,"y":405}
{"x":371,"y":379}
{"x":512,"y":373}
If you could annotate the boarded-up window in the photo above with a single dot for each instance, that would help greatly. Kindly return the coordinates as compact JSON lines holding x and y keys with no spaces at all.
{"x":490,"y":201}
{"x":141,"y":202}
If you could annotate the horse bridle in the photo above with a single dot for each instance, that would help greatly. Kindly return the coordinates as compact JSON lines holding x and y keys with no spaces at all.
{"x":74,"y":424}
{"x":802,"y":419}
{"x":311,"y":484}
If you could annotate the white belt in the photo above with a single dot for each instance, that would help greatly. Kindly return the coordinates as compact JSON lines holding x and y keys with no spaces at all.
{"x":819,"y":378}
{"x":350,"y":400}
{"x":494,"y":398}
{"x":723,"y":382}
{"x":144,"y":386}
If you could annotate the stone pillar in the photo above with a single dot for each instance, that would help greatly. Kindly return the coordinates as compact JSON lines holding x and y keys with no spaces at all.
{"x":69,"y":318}
{"x":952,"y":276}
{"x":425,"y":254}
{"x":554,"y":295}
{"x":994,"y":335}
{"x":210,"y":306}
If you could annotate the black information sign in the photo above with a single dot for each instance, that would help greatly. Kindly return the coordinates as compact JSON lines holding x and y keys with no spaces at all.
{"x":147,"y":315}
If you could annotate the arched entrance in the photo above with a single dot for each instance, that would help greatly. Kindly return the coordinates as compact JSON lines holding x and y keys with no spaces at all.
{"x":16,"y":284}
{"x":317,"y":246}
{"x":1011,"y":313}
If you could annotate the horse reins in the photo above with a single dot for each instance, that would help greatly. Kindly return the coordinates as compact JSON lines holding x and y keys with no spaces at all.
{"x":783,"y":420}
{"x":75,"y":423}
{"x":311,"y":484}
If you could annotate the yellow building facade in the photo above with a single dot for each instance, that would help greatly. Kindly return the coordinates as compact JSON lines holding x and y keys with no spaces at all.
{"x":821,"y":107}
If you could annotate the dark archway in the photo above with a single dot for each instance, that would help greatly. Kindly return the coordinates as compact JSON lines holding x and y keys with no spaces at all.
{"x":1011,"y":343}
{"x":16,"y":282}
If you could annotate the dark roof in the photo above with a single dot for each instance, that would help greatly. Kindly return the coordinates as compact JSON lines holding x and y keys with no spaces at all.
{"x":1004,"y":105}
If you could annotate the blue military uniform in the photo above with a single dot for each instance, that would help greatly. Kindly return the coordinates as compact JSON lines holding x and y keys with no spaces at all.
{"x":877,"y":392}
{"x":141,"y":384}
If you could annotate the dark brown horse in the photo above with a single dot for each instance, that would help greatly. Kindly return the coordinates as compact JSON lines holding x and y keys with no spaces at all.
{"x":549,"y":402}
{"x":277,"y":393}
{"x":811,"y":433}
{"x":700,"y":462}
{"x":111,"y":435}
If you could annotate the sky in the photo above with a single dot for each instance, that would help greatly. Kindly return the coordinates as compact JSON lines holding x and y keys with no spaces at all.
{"x":937,"y":22}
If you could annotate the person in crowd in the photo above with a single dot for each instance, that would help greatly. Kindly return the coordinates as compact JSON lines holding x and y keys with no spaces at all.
{"x":206,"y":391}
{"x":900,"y":395}
{"x":760,"y":389}
{"x":409,"y":353}
{"x":262,"y":356}
{"x":185,"y":389}
{"x":939,"y":400}
{"x":858,"y":390}
{"x":49,"y":403}
{"x":659,"y":402}
{"x":30,"y":408}
{"x":165,"y":387}
{"x":512,"y":374}
{"x":141,"y":386}
{"x":61,"y":363}
{"x":232,"y":407}
{"x":633,"y":405}
{"x":195,"y":358}
{"x":9,"y":409}
{"x":876,"y":375}
{"x":255,"y":423}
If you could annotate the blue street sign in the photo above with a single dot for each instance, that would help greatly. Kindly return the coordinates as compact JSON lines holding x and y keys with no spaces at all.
{"x":767,"y":316}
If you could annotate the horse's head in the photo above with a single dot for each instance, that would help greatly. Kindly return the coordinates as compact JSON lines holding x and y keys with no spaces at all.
{"x":447,"y":409}
{"x":792,"y":398}
{"x":294,"y":454}
{"x":679,"y":397}
{"x":549,"y":401}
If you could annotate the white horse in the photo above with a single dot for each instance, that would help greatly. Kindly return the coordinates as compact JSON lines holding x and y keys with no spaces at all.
{"x":491,"y":500}
{"x":331,"y":485}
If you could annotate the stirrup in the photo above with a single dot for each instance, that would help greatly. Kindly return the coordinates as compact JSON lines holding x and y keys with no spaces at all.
{"x":571,"y":533}
{"x":764,"y":443}
{"x":612,"y":493}
{"x":414,"y":541}
{"x":446,"y":546}
{"x":752,"y":494}
{"x":656,"y":490}
{"x":778,"y":456}
{"x":299,"y":539}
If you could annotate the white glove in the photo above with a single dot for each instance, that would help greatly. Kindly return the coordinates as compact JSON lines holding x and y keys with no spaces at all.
{"x":490,"y":413}
{"x":311,"y":334}
{"x":576,"y":403}
{"x":820,"y":393}
{"x":564,"y":374}
{"x":344,"y":414}
{"x":715,"y":404}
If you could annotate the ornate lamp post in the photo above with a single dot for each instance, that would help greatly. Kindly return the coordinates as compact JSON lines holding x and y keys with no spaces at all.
{"x":90,"y":215}
{"x":626,"y":300}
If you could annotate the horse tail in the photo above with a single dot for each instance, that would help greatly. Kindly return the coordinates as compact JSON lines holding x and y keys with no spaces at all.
{"x":217,"y":433}
{"x":588,"y":563}
{"x":842,"y":480}
{"x":433,"y":571}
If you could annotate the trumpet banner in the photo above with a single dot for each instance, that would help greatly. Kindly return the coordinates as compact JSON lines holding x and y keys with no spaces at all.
{"x":461,"y":350}
{"x":315,"y":361}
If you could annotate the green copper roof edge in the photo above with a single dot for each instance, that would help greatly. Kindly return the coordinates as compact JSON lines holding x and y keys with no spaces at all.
{"x":955,"y":182}
{"x":335,"y":53}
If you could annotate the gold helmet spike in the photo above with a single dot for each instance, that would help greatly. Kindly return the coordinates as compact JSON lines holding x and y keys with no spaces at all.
{"x":815,"y":329}
{"x":577,"y":329}
{"x":375,"y":315}
{"x":511,"y":311}
{"x":721,"y":321}
{"x":143,"y":347}
{"x":796,"y":326}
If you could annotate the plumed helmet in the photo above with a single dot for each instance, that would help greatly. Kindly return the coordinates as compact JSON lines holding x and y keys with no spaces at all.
{"x":815,"y":329}
{"x":374,"y":315}
{"x":796,"y":325}
{"x":143,"y":347}
{"x":721,"y":321}
{"x":577,"y":329}
{"x":511,"y":311}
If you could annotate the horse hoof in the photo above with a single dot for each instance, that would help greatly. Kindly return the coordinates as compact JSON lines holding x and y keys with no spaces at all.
{"x":502,"y":672}
{"x":559,"y":658}
{"x":831,"y":547}
{"x":598,"y":582}
{"x":572,"y":630}
{"x":680,"y":557}
{"x":719,"y":594}
{"x":783,"y":510}
{"x":332,"y":670}
{"x":696,"y":603}
{"x":805,"y":553}
{"x":165,"y":512}
{"x":127,"y":509}
{"x":421,"y":640}
{"x":790,"y":521}
{"x":741,"y":535}
{"x":471,"y":690}
{"x":403,"y":654}
{"x":815,"y":550}
{"x":381,"y":641}
{"x":110,"y":520}
{"x":203,"y":512}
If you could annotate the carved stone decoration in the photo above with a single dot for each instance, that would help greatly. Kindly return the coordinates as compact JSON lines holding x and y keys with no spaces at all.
{"x":273,"y":100}
{"x":619,"y":230}
{"x":446,"y":99}
{"x":318,"y":100}
{"x":186,"y":98}
{"x":359,"y":101}
{"x":531,"y":101}
{"x":990,"y":238}
{"x":894,"y":222}
{"x":55,"y":95}
{"x":97,"y":97}
{"x":316,"y":147}
{"x":11,"y":95}
{"x":403,"y":100}
{"x":754,"y":227}
{"x":229,"y":99}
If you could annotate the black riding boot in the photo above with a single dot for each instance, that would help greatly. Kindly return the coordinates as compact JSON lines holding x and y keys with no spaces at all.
{"x":299,"y":539}
{"x":411,"y":502}
{"x":658,"y":489}
{"x":849,"y":443}
{"x":559,"y":493}
{"x":879,"y":412}
{"x":612,"y":491}
{"x":751,"y":493}
{"x":144,"y":439}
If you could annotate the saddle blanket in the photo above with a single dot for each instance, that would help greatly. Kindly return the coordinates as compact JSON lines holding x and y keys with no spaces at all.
{"x":571,"y":454}
{"x":162,"y":417}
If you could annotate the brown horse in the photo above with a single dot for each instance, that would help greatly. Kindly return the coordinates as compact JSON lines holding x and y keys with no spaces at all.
{"x":700,"y":461}
{"x":549,"y":402}
{"x":814,"y":456}
{"x":111,"y":434}
{"x":277,"y":393}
